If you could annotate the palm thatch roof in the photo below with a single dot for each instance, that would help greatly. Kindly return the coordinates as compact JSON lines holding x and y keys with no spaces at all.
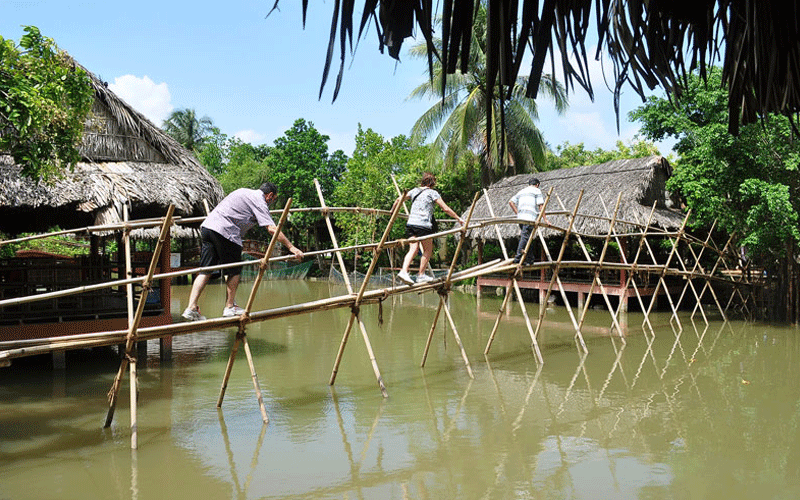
{"x":641,"y":182}
{"x":649,"y":43}
{"x":125,"y":158}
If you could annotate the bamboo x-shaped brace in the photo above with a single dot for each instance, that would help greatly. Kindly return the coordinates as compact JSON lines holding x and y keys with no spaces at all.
{"x":129,"y":359}
{"x":444,"y":291}
{"x":516,"y":273}
{"x":355,"y":315}
{"x":241,"y":336}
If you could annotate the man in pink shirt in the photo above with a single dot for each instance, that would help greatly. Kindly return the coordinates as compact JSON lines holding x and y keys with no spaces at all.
{"x":222,"y":233}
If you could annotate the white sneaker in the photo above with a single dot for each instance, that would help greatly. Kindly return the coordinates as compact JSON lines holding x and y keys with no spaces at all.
{"x":424,"y":278}
{"x":192,"y":315}
{"x":232,"y":311}
{"x":405,"y":277}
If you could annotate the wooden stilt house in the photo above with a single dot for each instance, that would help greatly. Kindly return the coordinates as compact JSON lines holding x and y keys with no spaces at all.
{"x":126,"y":160}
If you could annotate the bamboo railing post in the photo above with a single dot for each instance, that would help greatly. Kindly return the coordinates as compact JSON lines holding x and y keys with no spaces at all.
{"x":496,"y":229}
{"x":131,"y":336}
{"x":334,"y":241}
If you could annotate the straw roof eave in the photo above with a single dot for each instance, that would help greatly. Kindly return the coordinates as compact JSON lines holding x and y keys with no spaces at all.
{"x":126,"y":159}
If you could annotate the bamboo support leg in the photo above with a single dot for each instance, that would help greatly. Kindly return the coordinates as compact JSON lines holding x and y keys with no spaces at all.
{"x":134,"y":412}
{"x":430,"y":333}
{"x":228,"y":369}
{"x":253,"y":374}
{"x":372,"y":359}
{"x":534,"y":342}
{"x":341,"y":348}
{"x":458,"y":340}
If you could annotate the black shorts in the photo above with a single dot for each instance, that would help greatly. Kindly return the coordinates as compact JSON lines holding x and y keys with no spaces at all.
{"x":418,"y":231}
{"x":216,"y":250}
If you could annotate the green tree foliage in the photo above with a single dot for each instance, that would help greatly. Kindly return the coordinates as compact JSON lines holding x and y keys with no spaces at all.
{"x":44,"y":101}
{"x":749,"y":183}
{"x":184,"y":126}
{"x":245,"y":165}
{"x":576,"y":155}
{"x":296,"y":159}
{"x":460,"y":117}
{"x":367,"y":182}
{"x":213,"y":152}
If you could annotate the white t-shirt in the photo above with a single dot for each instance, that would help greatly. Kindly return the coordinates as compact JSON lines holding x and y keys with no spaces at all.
{"x":527,"y":201}
{"x":422,"y":207}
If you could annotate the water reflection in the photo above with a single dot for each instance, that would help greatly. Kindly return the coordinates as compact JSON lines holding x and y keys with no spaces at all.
{"x":706,"y":411}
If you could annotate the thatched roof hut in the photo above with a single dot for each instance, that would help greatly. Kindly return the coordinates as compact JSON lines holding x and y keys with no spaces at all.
{"x":641,"y":182}
{"x":125,"y":157}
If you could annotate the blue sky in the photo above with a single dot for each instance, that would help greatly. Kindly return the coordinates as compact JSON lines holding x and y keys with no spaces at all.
{"x":255,"y":75}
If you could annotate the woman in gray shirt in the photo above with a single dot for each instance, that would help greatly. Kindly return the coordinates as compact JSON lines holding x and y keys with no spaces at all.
{"x":420,"y":224}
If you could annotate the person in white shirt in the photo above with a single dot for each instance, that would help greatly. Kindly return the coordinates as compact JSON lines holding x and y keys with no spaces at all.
{"x":420,"y":224}
{"x":222,"y":233}
{"x":527,"y":204}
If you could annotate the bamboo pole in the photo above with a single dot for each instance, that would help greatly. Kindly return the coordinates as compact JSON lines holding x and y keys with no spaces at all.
{"x":635,"y":265}
{"x":661,"y":276}
{"x":134,"y":389}
{"x":334,"y":241}
{"x":131,"y":335}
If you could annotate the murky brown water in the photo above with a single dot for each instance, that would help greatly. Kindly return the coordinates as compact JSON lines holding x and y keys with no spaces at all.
{"x":709,"y":412}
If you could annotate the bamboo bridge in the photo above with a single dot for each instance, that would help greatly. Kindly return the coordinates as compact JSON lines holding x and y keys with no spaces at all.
{"x":703,"y":270}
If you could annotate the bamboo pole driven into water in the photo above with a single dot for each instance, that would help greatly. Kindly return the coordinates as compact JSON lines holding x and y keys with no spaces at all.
{"x":131,"y":336}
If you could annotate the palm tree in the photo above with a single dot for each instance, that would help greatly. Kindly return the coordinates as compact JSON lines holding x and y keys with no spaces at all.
{"x":184,"y":126}
{"x":460,"y":115}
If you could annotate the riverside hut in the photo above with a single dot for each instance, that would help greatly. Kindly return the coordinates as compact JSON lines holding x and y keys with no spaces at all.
{"x":126,"y":160}
{"x":641,"y":182}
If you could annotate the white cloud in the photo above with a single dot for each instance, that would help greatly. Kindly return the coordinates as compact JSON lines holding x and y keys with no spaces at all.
{"x":250,"y":137}
{"x":145,"y":96}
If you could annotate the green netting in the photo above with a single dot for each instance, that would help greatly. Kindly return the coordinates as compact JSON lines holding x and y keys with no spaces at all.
{"x":278,"y":270}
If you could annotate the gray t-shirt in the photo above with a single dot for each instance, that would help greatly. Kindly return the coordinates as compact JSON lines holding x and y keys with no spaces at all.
{"x":422,"y":207}
{"x":237,"y":213}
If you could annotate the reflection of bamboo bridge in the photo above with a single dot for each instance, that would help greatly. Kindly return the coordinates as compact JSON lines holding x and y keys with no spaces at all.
{"x":683,"y":246}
